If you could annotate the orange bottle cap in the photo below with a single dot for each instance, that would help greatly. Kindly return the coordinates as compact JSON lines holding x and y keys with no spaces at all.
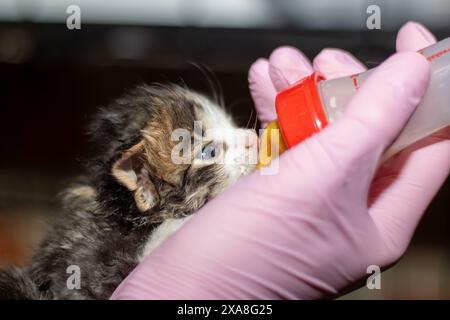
{"x":300,"y":111}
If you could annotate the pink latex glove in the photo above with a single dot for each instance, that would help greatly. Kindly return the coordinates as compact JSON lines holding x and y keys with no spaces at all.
{"x":312,"y":229}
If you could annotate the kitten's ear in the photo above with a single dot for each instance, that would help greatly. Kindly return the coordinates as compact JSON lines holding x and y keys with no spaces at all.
{"x":130,"y":171}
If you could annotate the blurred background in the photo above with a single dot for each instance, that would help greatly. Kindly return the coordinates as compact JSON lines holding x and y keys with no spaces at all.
{"x":52,"y":79}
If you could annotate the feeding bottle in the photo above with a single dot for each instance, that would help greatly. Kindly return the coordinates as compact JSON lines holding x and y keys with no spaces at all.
{"x":313,"y":102}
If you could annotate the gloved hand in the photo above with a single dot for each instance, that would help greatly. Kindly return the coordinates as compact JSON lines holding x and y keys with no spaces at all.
{"x":312,"y":229}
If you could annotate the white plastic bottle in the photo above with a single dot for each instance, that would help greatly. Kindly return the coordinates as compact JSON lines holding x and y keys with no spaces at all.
{"x":310,"y":104}
{"x":432,"y":114}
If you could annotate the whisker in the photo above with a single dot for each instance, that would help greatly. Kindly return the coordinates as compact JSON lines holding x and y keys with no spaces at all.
{"x":249,"y":119}
{"x":213,"y":83}
{"x":218,"y":87}
{"x":183,"y":83}
{"x":256,"y":121}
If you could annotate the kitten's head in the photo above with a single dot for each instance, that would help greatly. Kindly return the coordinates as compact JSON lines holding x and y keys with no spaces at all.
{"x":165,"y":151}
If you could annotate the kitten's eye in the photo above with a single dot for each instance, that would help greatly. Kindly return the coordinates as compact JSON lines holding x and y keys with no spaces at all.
{"x":208,"y":152}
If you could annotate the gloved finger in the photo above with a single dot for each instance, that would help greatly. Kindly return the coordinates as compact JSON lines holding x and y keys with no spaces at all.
{"x":335,"y":63}
{"x":262,"y":90}
{"x":379,"y":109}
{"x":288,"y":65}
{"x":413,"y":36}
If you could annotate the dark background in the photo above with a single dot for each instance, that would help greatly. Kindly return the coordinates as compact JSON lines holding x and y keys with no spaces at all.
{"x":53,"y":79}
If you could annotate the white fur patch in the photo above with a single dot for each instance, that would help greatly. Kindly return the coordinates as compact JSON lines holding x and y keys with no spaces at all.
{"x":161,"y":233}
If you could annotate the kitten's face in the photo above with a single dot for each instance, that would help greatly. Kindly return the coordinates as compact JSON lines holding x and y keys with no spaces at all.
{"x":227,"y":149}
{"x":189,"y":151}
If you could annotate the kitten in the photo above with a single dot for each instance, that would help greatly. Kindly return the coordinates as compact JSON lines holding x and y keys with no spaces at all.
{"x":135,"y":195}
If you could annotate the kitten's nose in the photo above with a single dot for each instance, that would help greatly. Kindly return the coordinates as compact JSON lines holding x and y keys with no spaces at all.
{"x":252,"y":140}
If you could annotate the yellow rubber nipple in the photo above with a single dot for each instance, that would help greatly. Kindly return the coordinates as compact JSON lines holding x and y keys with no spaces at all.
{"x":271,"y":139}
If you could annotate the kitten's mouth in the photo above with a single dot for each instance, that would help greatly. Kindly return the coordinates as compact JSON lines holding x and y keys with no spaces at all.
{"x":245,"y":170}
